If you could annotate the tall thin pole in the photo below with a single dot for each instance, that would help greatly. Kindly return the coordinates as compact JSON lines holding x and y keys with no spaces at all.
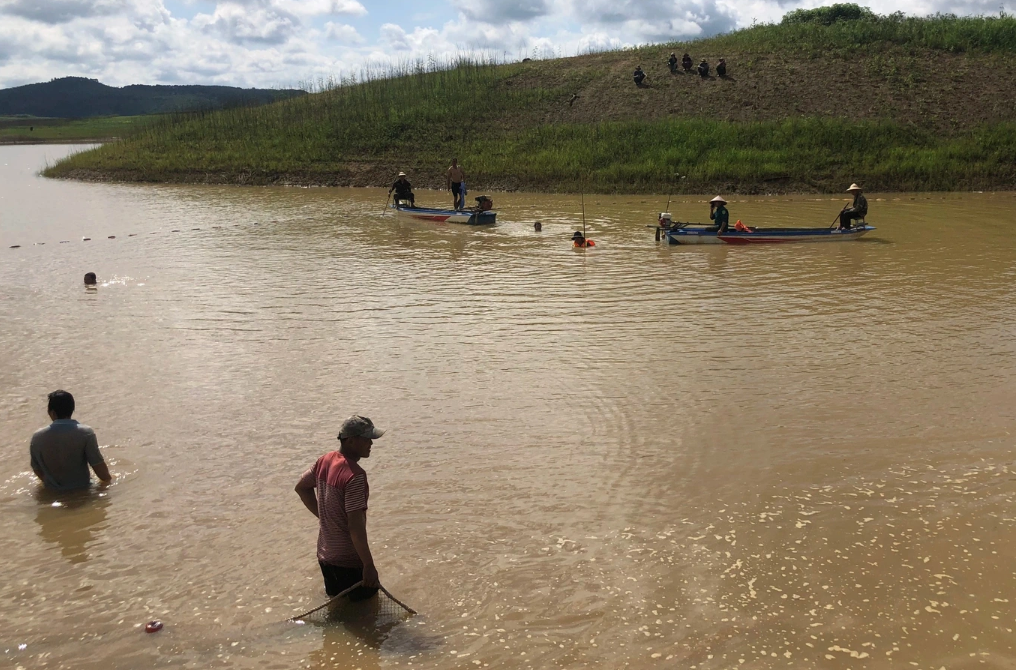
{"x":583,"y":197}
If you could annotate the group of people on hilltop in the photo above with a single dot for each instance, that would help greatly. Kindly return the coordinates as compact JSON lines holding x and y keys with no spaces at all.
{"x":639,"y":75}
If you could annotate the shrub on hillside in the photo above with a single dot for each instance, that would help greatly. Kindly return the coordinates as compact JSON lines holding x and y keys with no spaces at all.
{"x":827,"y":16}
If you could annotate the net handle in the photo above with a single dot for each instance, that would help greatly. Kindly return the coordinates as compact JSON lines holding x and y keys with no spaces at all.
{"x":397,"y":601}
{"x":330,"y":601}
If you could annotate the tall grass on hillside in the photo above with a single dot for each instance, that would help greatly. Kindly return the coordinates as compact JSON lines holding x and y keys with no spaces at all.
{"x":806,"y":31}
{"x":405,"y":109}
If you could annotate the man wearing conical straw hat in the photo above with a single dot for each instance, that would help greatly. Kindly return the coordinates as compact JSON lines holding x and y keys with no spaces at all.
{"x":718,"y":213}
{"x":858,"y":210}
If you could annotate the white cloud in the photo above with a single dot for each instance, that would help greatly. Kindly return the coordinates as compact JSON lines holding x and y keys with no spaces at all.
{"x":342,"y":33}
{"x":322,"y":7}
{"x":281,"y":42}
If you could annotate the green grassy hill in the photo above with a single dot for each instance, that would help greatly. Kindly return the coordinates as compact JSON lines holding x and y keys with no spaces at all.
{"x":826,"y":97}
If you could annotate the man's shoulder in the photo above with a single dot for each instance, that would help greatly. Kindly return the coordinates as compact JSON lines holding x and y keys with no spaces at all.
{"x":333,"y":464}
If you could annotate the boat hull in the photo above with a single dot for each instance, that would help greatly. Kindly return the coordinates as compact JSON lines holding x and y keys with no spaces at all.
{"x":467,"y":217}
{"x":708,"y":235}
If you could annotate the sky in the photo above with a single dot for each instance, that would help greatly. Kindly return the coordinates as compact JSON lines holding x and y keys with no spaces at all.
{"x":287,"y":43}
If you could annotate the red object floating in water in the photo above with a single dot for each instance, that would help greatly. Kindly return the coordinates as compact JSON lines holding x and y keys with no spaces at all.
{"x":153,"y":626}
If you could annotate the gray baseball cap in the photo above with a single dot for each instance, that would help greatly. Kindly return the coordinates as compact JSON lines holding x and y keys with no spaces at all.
{"x":359,"y":426}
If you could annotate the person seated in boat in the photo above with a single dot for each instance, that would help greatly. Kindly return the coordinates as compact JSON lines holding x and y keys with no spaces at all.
{"x":403,"y":191}
{"x":703,"y":69}
{"x":672,"y":63}
{"x":718,"y":213}
{"x":686,"y":62}
{"x":579,"y":240}
{"x":858,"y":210}
{"x":721,"y":68}
{"x":639,"y":76}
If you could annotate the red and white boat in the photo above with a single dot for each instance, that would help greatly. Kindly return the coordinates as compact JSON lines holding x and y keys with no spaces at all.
{"x":480,"y":215}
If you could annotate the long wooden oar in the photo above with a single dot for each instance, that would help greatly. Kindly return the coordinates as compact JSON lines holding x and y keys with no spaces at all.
{"x":386,"y":203}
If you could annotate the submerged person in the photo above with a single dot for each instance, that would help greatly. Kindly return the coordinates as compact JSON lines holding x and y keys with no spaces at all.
{"x":335,"y":491}
{"x":639,"y":76}
{"x":456,"y":176}
{"x":672,"y":62}
{"x":90,"y":279}
{"x":857,"y":210}
{"x":403,"y":191}
{"x":718,"y":213}
{"x":537,"y":226}
{"x":703,"y":69}
{"x":62,"y":452}
{"x":686,"y":62}
{"x":579,"y":240}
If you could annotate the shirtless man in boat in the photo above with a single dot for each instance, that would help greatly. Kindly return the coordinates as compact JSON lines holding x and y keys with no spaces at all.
{"x":335,"y":491}
{"x":455,"y":177}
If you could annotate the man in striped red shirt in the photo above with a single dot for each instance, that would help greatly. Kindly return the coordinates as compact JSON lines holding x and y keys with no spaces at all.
{"x":335,"y":491}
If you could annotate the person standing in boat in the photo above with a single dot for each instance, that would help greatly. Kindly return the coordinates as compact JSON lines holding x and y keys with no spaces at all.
{"x":858,"y":210}
{"x":455,"y":177}
{"x":403,"y":191}
{"x":718,"y":213}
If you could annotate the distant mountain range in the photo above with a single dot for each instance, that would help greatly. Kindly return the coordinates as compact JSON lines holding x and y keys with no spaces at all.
{"x":77,"y":97}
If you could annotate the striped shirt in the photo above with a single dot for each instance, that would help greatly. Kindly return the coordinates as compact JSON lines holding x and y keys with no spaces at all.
{"x":341,"y":488}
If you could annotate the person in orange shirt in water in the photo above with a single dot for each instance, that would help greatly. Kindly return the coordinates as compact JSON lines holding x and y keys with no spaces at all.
{"x":579,"y":240}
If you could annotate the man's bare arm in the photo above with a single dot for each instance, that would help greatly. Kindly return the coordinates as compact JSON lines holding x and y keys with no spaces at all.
{"x":358,"y":533}
{"x":102,"y":471}
{"x":308,"y":495}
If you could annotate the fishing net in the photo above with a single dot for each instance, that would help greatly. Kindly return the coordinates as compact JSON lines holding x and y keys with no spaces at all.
{"x":375,"y":615}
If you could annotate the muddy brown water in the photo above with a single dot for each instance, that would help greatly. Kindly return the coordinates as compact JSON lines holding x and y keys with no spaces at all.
{"x":637,"y":456}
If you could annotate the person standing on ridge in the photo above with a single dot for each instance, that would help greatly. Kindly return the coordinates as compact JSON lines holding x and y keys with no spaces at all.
{"x":62,"y":451}
{"x":721,"y":68}
{"x":718,"y":213}
{"x":456,"y":176}
{"x":857,"y":210}
{"x":672,"y":63}
{"x":403,"y":191}
{"x":335,"y":491}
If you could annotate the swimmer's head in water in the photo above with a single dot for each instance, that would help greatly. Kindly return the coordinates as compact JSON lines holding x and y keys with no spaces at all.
{"x":538,"y":226}
{"x":89,"y":279}
{"x":578,"y":235}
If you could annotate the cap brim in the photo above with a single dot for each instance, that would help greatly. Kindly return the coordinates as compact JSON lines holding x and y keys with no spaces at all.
{"x":377,"y":433}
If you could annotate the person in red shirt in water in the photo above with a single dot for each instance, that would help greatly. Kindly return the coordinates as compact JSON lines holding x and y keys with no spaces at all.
{"x":579,"y":240}
{"x":335,"y":491}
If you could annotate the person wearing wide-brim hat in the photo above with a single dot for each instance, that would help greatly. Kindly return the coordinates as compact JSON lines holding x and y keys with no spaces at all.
{"x":857,"y":210}
{"x":579,"y":240}
{"x":718,"y":213}
{"x":403,"y":191}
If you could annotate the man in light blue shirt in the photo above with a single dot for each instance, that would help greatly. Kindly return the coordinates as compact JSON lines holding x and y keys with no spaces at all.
{"x":62,"y":451}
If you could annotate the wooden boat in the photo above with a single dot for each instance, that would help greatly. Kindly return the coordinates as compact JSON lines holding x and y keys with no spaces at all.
{"x":693,"y":233}
{"x":474,"y":216}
